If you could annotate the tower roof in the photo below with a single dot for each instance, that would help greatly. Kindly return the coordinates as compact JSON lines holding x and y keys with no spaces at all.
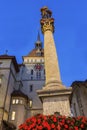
{"x":38,"y":51}
{"x":38,"y":43}
{"x":19,"y":93}
{"x":33,"y":53}
{"x":38,"y":37}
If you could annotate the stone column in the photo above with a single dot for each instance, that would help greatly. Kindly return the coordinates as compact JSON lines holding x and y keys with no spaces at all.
{"x":50,"y":55}
{"x":54,"y":95}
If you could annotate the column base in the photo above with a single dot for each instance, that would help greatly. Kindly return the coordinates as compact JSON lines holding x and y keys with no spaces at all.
{"x":55,"y":100}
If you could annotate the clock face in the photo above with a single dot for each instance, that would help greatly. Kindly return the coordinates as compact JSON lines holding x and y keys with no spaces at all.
{"x":38,"y":67}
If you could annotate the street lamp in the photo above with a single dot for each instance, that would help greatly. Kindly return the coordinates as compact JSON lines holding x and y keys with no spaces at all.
{"x":30,"y":103}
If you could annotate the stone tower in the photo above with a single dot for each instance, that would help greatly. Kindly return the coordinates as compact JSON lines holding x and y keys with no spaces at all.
{"x":54,"y":95}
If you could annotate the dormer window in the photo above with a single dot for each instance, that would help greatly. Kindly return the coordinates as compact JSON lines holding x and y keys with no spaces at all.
{"x":17,"y":101}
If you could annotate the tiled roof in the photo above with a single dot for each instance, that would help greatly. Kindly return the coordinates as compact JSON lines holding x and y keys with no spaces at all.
{"x":33,"y":53}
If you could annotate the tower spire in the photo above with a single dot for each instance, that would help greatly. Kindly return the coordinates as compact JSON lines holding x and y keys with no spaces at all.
{"x":38,"y":36}
{"x":38,"y":44}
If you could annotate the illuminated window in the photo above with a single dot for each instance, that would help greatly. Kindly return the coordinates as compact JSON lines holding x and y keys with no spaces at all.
{"x":13,"y":115}
{"x":13,"y":101}
{"x":17,"y":101}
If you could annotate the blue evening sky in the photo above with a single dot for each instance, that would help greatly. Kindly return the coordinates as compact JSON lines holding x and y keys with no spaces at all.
{"x":20,"y":22}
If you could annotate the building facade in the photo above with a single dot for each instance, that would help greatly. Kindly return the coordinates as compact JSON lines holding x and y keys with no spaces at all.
{"x":18,"y":85}
{"x":23,"y":85}
{"x":78,"y":98}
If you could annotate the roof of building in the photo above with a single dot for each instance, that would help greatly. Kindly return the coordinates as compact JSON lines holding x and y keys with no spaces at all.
{"x":38,"y":51}
{"x":19,"y":93}
{"x":79,"y":83}
{"x":33,"y":53}
{"x":5,"y":56}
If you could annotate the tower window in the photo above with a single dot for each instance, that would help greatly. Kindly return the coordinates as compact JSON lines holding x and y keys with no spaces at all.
{"x":31,"y":88}
{"x":44,"y":71}
{"x":35,"y":60}
{"x":31,"y":72}
{"x":31,"y":78}
{"x":40,"y":60}
{"x":31,"y":60}
{"x":27,"y":60}
{"x":38,"y":75}
{"x":13,"y":115}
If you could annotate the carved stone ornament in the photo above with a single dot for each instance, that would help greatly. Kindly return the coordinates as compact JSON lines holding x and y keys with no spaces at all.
{"x":47,"y":26}
{"x":47,"y":22}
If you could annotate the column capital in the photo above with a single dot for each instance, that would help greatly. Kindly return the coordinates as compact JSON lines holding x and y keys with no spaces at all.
{"x":47,"y":22}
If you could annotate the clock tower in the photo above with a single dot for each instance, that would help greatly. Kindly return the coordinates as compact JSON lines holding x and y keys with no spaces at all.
{"x":33,"y":76}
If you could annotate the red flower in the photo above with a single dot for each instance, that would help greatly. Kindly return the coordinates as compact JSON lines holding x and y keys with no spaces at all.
{"x":52,"y":122}
{"x":39,"y":121}
{"x":66,"y":126}
{"x":52,"y":126}
{"x":46,"y":125}
{"x":82,"y":126}
{"x":76,"y":128}
{"x":58,"y":127}
{"x":39,"y":127}
{"x":54,"y":119}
